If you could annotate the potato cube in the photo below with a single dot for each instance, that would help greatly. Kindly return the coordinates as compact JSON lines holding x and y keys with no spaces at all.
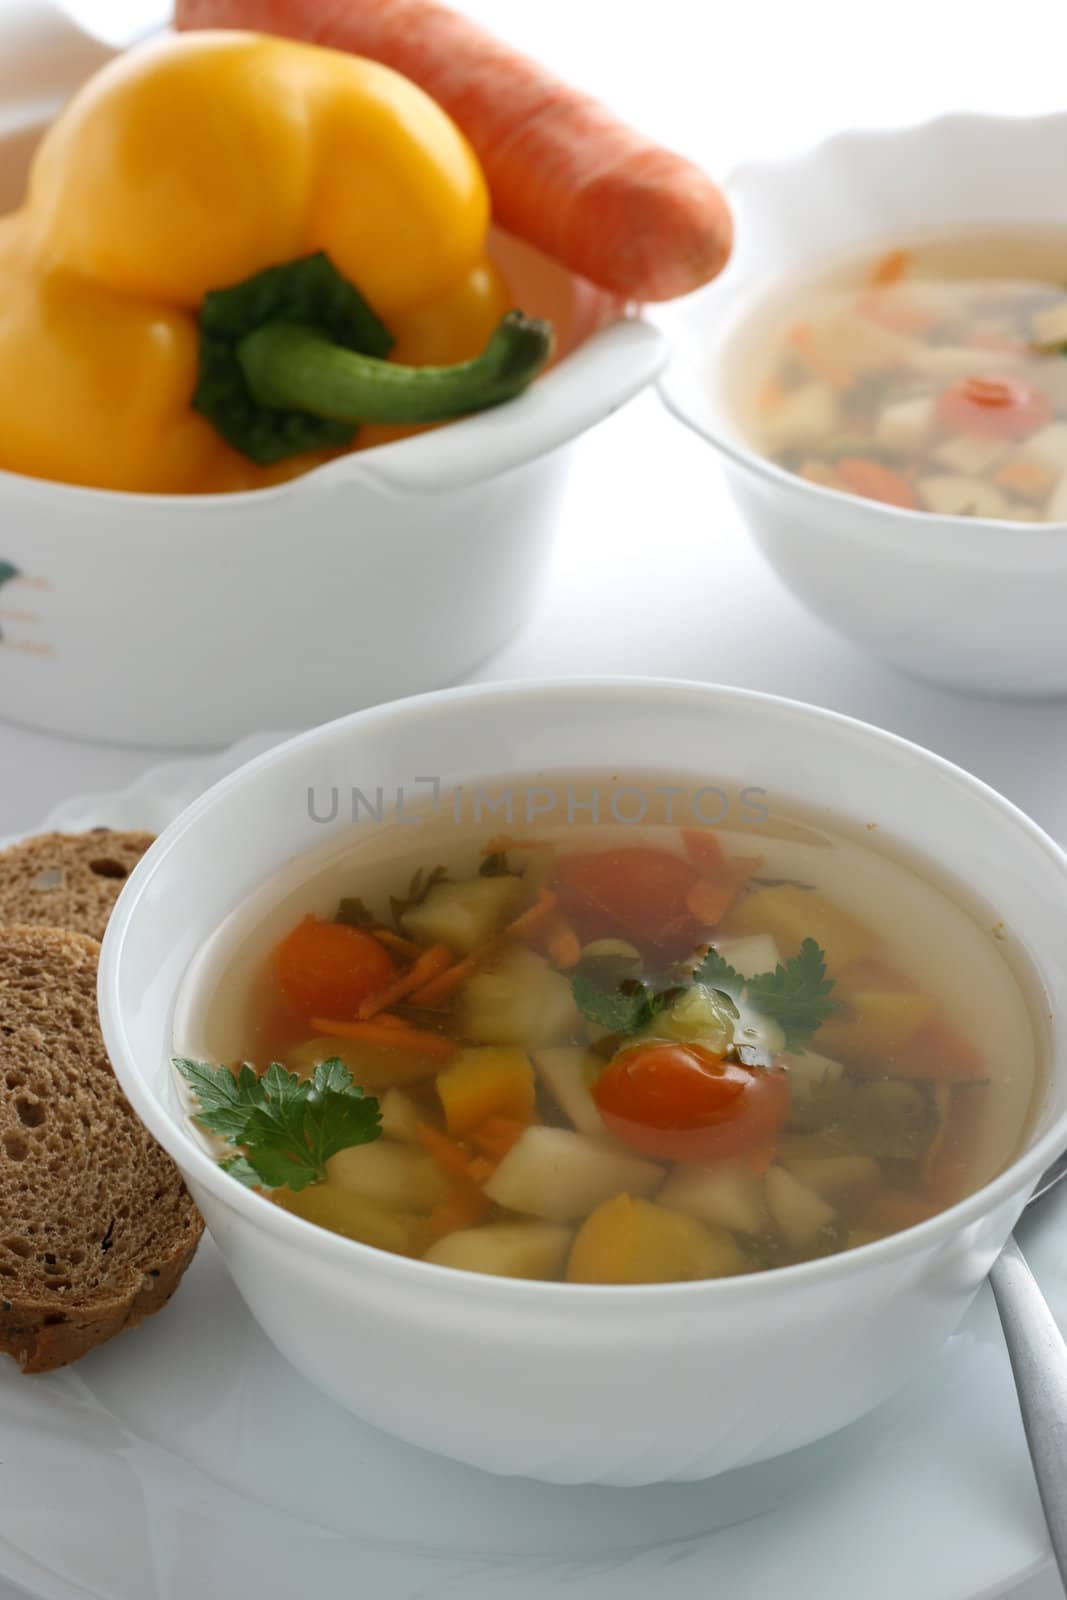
{"x":400,"y":1116}
{"x":628,"y":1240}
{"x":1049,"y":325}
{"x":791,"y":915}
{"x":486,"y":1081}
{"x":559,"y":1175}
{"x":1046,"y":448}
{"x":906,"y":424}
{"x":356,"y":1216}
{"x":519,"y":1000}
{"x":464,"y":915}
{"x":875,"y":1026}
{"x":394,"y":1174}
{"x":838,"y":1178}
{"x":805,"y":414}
{"x":505,"y":1249}
{"x":969,"y":456}
{"x":728,"y":1194}
{"x":949,"y":495}
{"x":567,"y":1072}
{"x":801,"y":1215}
{"x":751,"y":956}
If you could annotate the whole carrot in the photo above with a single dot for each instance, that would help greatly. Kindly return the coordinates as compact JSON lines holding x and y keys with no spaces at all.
{"x":563,"y":172}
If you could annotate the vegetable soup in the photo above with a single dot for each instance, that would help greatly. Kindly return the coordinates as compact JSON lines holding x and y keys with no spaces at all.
{"x":610,"y":1053}
{"x":931,"y":378}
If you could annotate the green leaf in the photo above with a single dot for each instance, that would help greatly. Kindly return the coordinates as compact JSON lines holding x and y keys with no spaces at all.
{"x":796,"y":995}
{"x":354,"y":914}
{"x":495,"y":865}
{"x":285,"y":1127}
{"x":626,"y":1009}
{"x":310,"y":292}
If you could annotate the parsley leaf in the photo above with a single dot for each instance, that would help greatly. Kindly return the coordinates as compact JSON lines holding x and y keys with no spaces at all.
{"x":796,"y":996}
{"x":626,"y":1009}
{"x":495,"y":865}
{"x":286,"y":1128}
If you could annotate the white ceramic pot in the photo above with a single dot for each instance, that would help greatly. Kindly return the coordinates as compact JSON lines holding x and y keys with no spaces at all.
{"x":575,"y":1383}
{"x":176,"y":620}
{"x":974,"y":603}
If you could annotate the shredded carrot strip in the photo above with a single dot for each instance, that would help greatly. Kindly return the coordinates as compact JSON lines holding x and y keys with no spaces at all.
{"x":440,"y":990}
{"x":448,"y":1153}
{"x":496,"y":1135}
{"x":437,"y":959}
{"x":397,"y":943}
{"x":893,"y":266}
{"x":802,"y":342}
{"x":463,"y":1206}
{"x":564,"y":947}
{"x":390,"y":1031}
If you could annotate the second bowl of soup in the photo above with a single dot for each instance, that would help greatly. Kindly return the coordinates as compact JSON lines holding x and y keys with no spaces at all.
{"x":609,"y":1082}
{"x":883,"y":369}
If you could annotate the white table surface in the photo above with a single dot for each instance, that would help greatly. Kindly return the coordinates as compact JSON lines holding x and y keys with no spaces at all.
{"x":653,"y":573}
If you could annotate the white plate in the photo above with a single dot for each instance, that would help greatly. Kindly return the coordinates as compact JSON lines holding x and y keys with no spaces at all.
{"x":187,"y":1459}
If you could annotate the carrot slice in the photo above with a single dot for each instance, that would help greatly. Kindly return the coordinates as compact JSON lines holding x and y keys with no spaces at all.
{"x":860,"y":475}
{"x":389,"y":1031}
{"x":564,"y":947}
{"x":703,"y":849}
{"x":709,"y":900}
{"x":437,"y":959}
{"x":893,"y":266}
{"x":397,"y":943}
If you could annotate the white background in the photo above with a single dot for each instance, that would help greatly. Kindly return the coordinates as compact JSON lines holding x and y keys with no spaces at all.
{"x":653,"y":573}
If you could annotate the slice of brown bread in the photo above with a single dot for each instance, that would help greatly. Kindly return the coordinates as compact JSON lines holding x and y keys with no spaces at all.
{"x":96,"y":1225}
{"x":67,"y":880}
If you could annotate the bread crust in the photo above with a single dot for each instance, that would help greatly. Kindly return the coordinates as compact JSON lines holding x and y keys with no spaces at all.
{"x":96,"y":1225}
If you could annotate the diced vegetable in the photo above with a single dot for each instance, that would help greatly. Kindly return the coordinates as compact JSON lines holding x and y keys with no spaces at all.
{"x":1049,"y":325}
{"x":567,"y":1071}
{"x":751,"y":955}
{"x":493,"y":1080}
{"x":608,"y":960}
{"x":356,"y":1216}
{"x":628,"y":1240}
{"x":464,"y":915}
{"x":394,"y":1174}
{"x":906,"y":424}
{"x":876,"y":1026}
{"x":968,"y":457}
{"x":519,"y":1000}
{"x":802,"y":416}
{"x":505,"y":1249}
{"x":400,"y":1116}
{"x":801,"y":1215}
{"x":371,"y":1065}
{"x":838,"y":1179}
{"x":951,"y":496}
{"x":1046,"y":448}
{"x":790,"y":915}
{"x":699,"y":1016}
{"x":1056,"y":508}
{"x":558,"y":1175}
{"x":874,"y":481}
{"x":325,"y":968}
{"x":728,"y":1194}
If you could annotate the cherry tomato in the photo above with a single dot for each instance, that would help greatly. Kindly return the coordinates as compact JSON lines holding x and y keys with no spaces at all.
{"x":682,"y":1102}
{"x":994,"y":408}
{"x":639,"y":892}
{"x":325,"y":968}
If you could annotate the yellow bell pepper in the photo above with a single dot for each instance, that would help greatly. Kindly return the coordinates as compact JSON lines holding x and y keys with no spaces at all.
{"x":192,"y":165}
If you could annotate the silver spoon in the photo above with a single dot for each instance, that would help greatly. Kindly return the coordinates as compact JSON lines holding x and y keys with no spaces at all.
{"x":1039,"y":1363}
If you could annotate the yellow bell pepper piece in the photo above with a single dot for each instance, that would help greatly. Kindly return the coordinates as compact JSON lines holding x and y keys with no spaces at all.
{"x":189,"y":165}
{"x":493,"y":1081}
{"x":632,"y":1240}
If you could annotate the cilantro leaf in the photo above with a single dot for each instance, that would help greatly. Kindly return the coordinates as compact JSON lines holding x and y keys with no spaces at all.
{"x":796,"y":996}
{"x":285,"y":1127}
{"x":626,"y":1009}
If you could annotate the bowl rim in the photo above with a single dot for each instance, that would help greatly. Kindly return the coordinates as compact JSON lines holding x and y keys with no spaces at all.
{"x":741,"y":295}
{"x":291,"y":1231}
